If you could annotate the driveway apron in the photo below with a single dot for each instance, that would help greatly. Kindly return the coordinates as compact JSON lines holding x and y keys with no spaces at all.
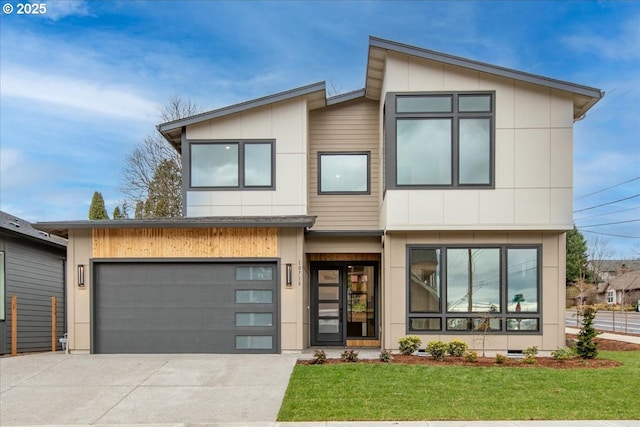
{"x":58,"y":389}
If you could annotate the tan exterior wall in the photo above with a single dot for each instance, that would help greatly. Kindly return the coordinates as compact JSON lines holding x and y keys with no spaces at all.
{"x":533,"y":156}
{"x":286,"y":123}
{"x":394,"y":288}
{"x":79,"y":298}
{"x":347,"y":127}
{"x":294,"y":311}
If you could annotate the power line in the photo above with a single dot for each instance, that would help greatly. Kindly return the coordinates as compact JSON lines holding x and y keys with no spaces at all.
{"x":607,"y":213}
{"x":611,"y":223}
{"x":612,"y":235}
{"x":608,"y":188}
{"x":608,"y":203}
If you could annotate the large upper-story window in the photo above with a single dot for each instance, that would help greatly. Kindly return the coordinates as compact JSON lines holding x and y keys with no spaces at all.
{"x":232,"y":165}
{"x":473,"y":289}
{"x":343,"y":173}
{"x":440,"y":140}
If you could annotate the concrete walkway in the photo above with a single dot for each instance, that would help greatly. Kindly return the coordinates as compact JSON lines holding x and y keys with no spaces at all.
{"x":635,"y":339}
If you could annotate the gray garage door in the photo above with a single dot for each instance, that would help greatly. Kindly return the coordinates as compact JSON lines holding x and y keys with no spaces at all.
{"x":185,"y":307}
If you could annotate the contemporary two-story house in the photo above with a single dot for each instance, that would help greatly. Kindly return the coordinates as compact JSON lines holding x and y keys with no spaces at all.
{"x":433,"y":202}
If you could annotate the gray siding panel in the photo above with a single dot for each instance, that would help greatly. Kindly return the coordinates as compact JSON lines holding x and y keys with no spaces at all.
{"x":174,"y":307}
{"x":33,"y":274}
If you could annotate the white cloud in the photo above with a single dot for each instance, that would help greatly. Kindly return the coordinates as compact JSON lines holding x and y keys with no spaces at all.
{"x":84,"y":95}
{"x":58,"y":9}
{"x":622,"y":45}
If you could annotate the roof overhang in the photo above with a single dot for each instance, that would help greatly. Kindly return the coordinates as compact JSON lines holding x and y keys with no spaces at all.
{"x":316,"y":98}
{"x":62,"y":228}
{"x":584,"y":97}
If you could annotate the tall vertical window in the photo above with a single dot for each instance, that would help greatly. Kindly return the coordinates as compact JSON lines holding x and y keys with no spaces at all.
{"x":463,"y":289}
{"x":232,"y":164}
{"x":440,"y":140}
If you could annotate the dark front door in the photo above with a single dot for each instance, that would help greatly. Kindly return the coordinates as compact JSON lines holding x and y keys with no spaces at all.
{"x":343,"y":302}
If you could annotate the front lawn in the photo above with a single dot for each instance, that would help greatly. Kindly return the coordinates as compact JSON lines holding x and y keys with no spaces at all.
{"x":377,"y":392}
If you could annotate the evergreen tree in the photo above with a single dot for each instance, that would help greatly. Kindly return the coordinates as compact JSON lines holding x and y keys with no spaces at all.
{"x":97,"y":210}
{"x":586,"y":347}
{"x":577,"y":257}
{"x":117,"y":214}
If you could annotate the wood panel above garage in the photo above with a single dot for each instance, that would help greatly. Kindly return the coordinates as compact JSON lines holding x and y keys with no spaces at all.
{"x":185,"y":242}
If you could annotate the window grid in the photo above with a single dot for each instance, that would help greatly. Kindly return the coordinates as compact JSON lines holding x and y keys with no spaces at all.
{"x":243,"y":180}
{"x":503,"y":320}
{"x":455,"y":115}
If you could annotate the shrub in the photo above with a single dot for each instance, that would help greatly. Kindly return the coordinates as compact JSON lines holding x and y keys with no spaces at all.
{"x":585,"y":347}
{"x":437,"y":349}
{"x":349,"y":356}
{"x":409,"y":344}
{"x":563,"y":353}
{"x":471,"y":356}
{"x":501,"y":359}
{"x":457,"y":348}
{"x":319,"y":356}
{"x":385,"y":356}
{"x":530,"y":355}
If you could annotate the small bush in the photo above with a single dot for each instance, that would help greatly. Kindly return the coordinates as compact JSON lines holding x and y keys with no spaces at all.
{"x":563,"y":354}
{"x":320,"y":357}
{"x":385,"y":356}
{"x":471,"y":356}
{"x":409,"y":344}
{"x":349,"y":356}
{"x":457,"y":348}
{"x":501,"y":359}
{"x":530,"y":355}
{"x":437,"y":349}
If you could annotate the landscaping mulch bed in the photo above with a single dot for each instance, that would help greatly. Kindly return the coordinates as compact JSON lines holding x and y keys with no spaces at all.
{"x":548,"y":362}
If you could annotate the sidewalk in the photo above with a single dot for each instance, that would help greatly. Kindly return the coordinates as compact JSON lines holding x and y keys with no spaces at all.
{"x":635,"y":339}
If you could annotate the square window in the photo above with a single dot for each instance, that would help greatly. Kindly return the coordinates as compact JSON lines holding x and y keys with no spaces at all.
{"x":343,"y":173}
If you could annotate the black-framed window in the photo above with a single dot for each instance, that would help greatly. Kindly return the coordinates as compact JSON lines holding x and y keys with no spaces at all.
{"x":344,"y":172}
{"x":440,"y":140}
{"x":458,"y":288}
{"x":245,"y":164}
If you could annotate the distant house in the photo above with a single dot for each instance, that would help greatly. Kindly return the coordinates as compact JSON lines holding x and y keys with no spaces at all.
{"x":623,"y":289}
{"x":32,"y":267}
{"x":434,"y":197}
{"x":609,"y":268}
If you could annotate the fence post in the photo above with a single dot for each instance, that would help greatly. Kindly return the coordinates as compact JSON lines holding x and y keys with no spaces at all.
{"x":14,"y":325}
{"x":54,"y":324}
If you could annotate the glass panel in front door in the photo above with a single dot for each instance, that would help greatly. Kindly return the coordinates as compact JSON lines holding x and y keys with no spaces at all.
{"x":328,"y":307}
{"x":361,"y":302}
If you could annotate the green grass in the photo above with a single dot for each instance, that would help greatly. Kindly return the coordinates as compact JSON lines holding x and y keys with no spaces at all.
{"x":375,"y":392}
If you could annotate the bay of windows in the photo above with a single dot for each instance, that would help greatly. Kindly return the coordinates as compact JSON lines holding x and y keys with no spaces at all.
{"x":232,"y":164}
{"x":440,"y":140}
{"x":455,"y":288}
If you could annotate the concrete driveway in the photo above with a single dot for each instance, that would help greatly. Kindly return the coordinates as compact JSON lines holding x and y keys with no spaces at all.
{"x":58,"y":389}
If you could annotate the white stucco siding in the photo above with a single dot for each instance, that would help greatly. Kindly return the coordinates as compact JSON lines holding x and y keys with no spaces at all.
{"x":533,"y":156}
{"x":285,"y":123}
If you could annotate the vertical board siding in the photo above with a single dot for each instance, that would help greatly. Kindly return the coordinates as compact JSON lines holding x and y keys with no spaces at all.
{"x":185,"y":242}
{"x":349,"y":126}
{"x":34,"y":275}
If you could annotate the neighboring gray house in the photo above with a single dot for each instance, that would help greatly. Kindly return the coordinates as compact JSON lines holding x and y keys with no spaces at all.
{"x":623,"y":289}
{"x":32,"y":266}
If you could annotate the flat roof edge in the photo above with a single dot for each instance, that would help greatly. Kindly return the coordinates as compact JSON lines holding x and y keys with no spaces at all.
{"x":344,"y":233}
{"x":344,"y":97}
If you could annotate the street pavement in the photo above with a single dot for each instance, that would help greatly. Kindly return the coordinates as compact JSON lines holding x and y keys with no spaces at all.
{"x":611,"y":321}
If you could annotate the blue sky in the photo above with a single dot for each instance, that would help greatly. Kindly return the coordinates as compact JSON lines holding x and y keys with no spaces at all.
{"x":82,"y":84}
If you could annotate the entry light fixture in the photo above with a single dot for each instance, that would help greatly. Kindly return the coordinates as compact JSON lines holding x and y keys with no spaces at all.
{"x":80,"y":275}
{"x":289,"y":275}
